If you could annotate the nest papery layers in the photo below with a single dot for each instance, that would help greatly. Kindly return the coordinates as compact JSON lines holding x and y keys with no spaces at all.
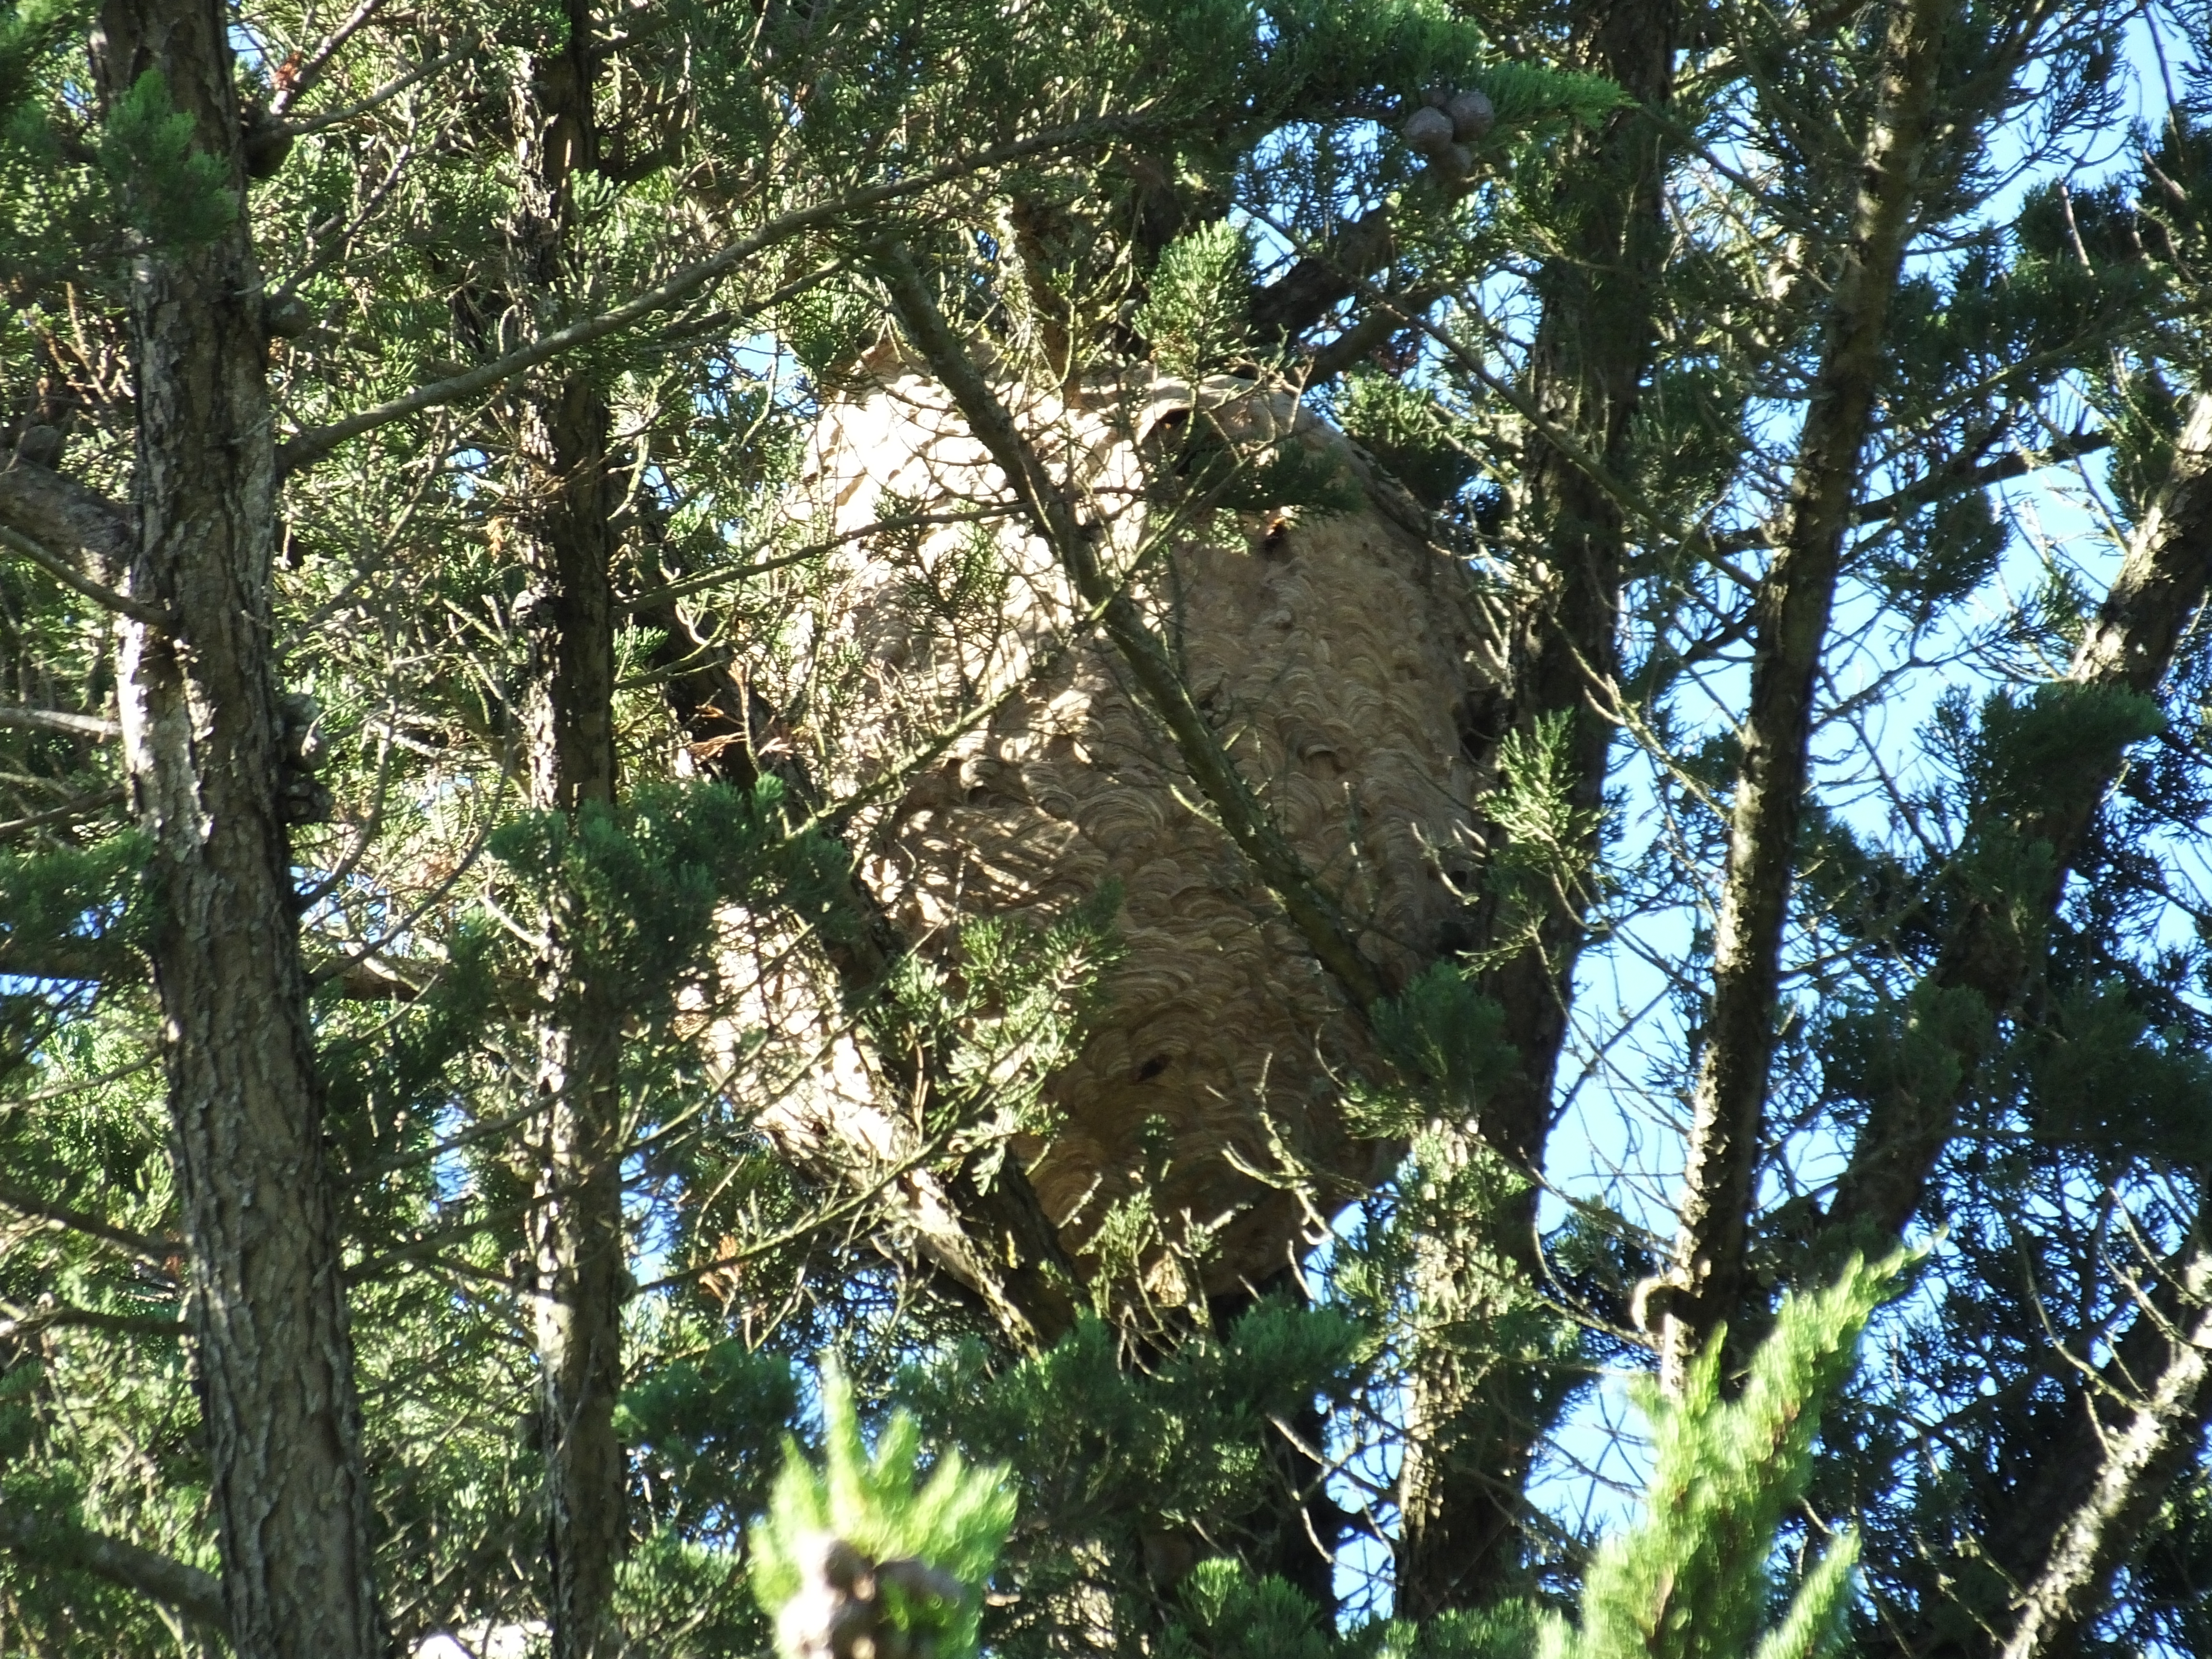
{"x":1332,"y":652}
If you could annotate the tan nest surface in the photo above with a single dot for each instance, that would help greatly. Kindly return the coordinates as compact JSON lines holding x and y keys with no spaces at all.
{"x":1334,"y":653}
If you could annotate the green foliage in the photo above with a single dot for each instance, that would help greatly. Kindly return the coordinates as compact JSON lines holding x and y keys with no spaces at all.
{"x":1406,"y":431}
{"x":702,"y":1426}
{"x":1195,"y":308}
{"x":29,"y":31}
{"x":1943,"y":554}
{"x":57,"y":901}
{"x":1118,"y":1464}
{"x":2095,"y":1072}
{"x":1528,"y":94}
{"x":1447,"y":1042}
{"x":957,"y":1520}
{"x":1005,"y":1013}
{"x":827,"y":327}
{"x":1691,"y":1580}
{"x":1234,"y":1615}
{"x":176,"y":195}
{"x":640,"y":882}
{"x":2051,"y":745}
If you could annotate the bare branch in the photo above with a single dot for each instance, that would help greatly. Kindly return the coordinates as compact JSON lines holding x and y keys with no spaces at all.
{"x":1791,"y":612}
{"x":1956,"y":479}
{"x":82,"y":806}
{"x":383,"y":94}
{"x":309,"y":69}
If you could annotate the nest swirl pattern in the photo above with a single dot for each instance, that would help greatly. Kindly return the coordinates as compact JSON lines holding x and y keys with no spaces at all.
{"x":1334,"y":654}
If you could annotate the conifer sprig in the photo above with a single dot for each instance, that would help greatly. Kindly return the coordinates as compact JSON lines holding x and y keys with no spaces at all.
{"x":1692,"y":1579}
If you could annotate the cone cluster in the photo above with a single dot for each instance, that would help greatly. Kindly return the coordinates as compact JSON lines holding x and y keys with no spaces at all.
{"x":1445,"y":124}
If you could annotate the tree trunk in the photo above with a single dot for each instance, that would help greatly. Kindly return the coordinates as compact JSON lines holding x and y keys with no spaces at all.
{"x":564,"y":501}
{"x":1460,"y":1486}
{"x":204,"y":753}
{"x":1791,"y":623}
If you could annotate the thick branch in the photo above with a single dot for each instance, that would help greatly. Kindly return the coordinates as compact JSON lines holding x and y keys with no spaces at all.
{"x":92,"y":1319}
{"x":1791,"y":612}
{"x":2162,"y":583}
{"x":1246,"y":822}
{"x":196,"y":1594}
{"x":2115,"y":1468}
{"x":1313,"y":287}
{"x":66,"y":574}
{"x":56,"y":719}
{"x":56,"y":511}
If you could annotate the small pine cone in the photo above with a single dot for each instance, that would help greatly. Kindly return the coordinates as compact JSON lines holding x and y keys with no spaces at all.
{"x":1472,"y":115}
{"x":1427,"y":132}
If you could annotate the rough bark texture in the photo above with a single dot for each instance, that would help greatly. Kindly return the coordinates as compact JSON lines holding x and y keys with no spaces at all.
{"x":564,"y":503}
{"x":2107,"y":1480}
{"x":1791,"y":623}
{"x":202,"y":744}
{"x":1995,"y":949}
{"x":63,"y":514}
{"x":1459,"y":1488}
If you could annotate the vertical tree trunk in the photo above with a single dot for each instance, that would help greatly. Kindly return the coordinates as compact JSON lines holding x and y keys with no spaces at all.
{"x":1460,"y":1489}
{"x":204,"y":753}
{"x":1790,"y":616}
{"x":564,"y":503}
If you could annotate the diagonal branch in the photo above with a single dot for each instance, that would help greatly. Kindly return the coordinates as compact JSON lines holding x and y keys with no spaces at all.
{"x":2163,"y":582}
{"x":154,"y":1252}
{"x":56,"y":719}
{"x":1790,"y":615}
{"x":1249,"y":827}
{"x":67,"y":812}
{"x":69,"y":576}
{"x":311,"y":446}
{"x":2115,"y":1474}
{"x":196,"y":1594}
{"x":56,"y":511}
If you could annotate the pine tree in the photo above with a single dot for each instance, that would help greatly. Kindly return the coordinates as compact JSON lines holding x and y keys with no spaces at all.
{"x":493,"y":774}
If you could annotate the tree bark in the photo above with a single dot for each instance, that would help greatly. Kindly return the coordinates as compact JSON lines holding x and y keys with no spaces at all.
{"x":2107,"y":1479}
{"x":565,"y":499}
{"x":1459,"y":1488}
{"x":202,"y":755}
{"x":2162,"y":583}
{"x":1790,"y":613}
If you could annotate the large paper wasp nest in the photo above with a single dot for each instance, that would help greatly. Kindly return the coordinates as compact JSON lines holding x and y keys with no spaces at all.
{"x":1335,"y":653}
